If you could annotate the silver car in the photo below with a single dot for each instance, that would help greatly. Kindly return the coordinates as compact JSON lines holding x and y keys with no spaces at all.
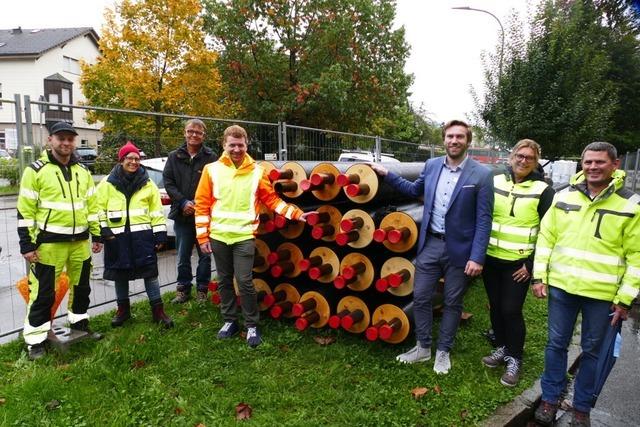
{"x":154,"y":168}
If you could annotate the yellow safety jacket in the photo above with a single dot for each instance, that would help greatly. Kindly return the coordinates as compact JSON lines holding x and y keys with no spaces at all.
{"x":592,"y":247}
{"x":514,"y":229}
{"x":56,"y":203}
{"x":131,"y":226}
{"x":227,"y":200}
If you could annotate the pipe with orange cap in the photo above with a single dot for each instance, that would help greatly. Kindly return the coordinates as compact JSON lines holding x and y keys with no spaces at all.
{"x":356,"y":272}
{"x":398,"y":231}
{"x":396,"y":276}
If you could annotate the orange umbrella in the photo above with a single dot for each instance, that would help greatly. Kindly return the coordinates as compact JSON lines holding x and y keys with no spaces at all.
{"x":62,"y":286}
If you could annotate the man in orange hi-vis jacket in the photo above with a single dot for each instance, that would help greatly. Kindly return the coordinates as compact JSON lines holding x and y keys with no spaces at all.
{"x":226,"y":221}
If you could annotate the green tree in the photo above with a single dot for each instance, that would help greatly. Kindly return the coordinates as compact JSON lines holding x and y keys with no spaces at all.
{"x":334,"y":64}
{"x":154,"y":58}
{"x":565,"y":86}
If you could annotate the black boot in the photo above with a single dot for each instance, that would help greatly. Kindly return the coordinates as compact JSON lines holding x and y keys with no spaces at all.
{"x":123,"y":314}
{"x":159,"y":316}
{"x":83,"y":325}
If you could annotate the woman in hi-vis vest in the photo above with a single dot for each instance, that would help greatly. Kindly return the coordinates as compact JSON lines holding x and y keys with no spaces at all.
{"x":521,"y":199}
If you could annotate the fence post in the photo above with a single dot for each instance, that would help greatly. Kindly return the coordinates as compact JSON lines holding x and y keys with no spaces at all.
{"x":19,"y":136}
{"x":635,"y":172}
{"x":282,"y":142}
{"x":28,"y":121}
{"x":378,"y":151}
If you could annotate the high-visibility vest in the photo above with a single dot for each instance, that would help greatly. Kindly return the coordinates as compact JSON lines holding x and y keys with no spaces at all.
{"x":592,"y":247}
{"x":514,"y":229}
{"x":56,"y":204}
{"x":228,"y":198}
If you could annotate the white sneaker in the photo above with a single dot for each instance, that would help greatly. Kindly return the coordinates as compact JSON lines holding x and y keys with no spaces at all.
{"x":415,"y":355}
{"x":442,"y":364}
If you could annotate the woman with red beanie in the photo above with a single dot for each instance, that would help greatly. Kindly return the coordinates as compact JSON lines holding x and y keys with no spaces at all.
{"x":133,"y":228}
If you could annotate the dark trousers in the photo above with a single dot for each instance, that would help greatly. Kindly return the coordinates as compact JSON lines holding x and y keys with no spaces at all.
{"x":236,"y":260}
{"x":185,"y":240}
{"x":506,"y":298}
{"x":433,"y":263}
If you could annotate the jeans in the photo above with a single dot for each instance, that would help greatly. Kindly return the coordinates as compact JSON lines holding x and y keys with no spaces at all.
{"x":185,"y":240}
{"x":151,"y":285}
{"x":563,"y":312}
{"x":236,"y":260}
{"x":431,"y":264}
{"x":506,"y":298}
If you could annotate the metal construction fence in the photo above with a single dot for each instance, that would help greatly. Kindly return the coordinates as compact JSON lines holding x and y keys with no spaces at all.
{"x":630,"y":163}
{"x":27,"y":134}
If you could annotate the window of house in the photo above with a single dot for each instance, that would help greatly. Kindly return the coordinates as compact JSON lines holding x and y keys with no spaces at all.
{"x":53,"y":98}
{"x":3,"y":141}
{"x":71,"y":65}
{"x":1,"y":99}
{"x":66,"y":99}
{"x":84,"y":142}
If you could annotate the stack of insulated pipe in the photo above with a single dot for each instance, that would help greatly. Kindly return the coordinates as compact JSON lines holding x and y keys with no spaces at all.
{"x":351,"y":265}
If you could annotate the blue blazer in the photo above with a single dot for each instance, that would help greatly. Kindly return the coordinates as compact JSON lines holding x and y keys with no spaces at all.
{"x":470,"y":212}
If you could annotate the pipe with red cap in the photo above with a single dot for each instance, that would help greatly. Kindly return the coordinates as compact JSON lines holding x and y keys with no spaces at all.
{"x":361,"y":184}
{"x":393,"y":323}
{"x":313,"y":309}
{"x":285,"y":296}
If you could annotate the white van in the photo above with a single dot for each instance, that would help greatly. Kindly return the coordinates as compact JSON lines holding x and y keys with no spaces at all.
{"x":358,"y":156}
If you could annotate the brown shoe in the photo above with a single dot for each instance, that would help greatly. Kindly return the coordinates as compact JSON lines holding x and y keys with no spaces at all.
{"x":546,"y":413}
{"x":181,"y":297}
{"x":580,"y":419}
{"x":511,"y":375}
{"x":201,"y":297}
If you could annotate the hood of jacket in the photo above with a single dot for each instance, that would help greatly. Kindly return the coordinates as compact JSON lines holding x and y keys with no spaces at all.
{"x":617,"y":182}
{"x":125,"y":183}
{"x":247,"y":166}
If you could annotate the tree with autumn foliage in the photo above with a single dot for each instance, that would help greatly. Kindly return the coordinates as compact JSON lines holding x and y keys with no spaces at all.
{"x":335,"y":64}
{"x":154,"y":58}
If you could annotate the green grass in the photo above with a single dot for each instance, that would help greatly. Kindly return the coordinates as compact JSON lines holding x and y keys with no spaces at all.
{"x":142,"y":375}
{"x":9,"y":189}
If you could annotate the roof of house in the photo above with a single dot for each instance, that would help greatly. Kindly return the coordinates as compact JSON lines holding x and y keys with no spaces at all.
{"x":26,"y":43}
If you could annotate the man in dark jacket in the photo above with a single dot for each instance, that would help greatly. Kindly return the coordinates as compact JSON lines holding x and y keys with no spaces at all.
{"x":181,"y":176}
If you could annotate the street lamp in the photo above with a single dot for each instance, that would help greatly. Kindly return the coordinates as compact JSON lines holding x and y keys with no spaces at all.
{"x":501,"y":34}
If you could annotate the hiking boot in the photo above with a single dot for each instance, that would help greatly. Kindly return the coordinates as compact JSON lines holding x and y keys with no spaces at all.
{"x":253,"y":337}
{"x":442,"y":364}
{"x":495,"y":359}
{"x":122,"y":314}
{"x":580,"y":419}
{"x":228,"y":330}
{"x":201,"y":297}
{"x":511,"y":375}
{"x":415,"y":355}
{"x":545,"y":413}
{"x":36,"y":351}
{"x":181,"y":297}
{"x":83,"y":326}
{"x":160,"y":317}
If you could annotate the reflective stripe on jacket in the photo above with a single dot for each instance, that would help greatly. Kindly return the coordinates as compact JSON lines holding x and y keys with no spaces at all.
{"x":592,"y":248}
{"x":514,"y":229}
{"x":56,"y":203}
{"x":227,"y":200}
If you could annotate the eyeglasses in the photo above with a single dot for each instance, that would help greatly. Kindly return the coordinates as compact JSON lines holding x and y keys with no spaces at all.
{"x":194,"y":132}
{"x":528,"y":159}
{"x":132,"y":159}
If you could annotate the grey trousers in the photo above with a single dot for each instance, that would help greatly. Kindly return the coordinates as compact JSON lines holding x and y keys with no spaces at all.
{"x":236,"y":260}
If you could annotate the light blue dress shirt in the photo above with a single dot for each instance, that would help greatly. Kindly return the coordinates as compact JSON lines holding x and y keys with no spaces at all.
{"x":446,"y":183}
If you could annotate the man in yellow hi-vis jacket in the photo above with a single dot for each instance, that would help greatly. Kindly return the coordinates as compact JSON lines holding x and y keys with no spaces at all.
{"x":587,"y":260}
{"x":56,"y":215}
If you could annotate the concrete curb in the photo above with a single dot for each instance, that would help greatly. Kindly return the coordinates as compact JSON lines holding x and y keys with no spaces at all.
{"x":520,"y":410}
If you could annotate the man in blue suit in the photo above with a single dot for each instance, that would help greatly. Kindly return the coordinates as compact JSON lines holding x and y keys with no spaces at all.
{"x":454,"y":234}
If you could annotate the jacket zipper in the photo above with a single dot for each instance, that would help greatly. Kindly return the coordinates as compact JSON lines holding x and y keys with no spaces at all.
{"x":64,"y":195}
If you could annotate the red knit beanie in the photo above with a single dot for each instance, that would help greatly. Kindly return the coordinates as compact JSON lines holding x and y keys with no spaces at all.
{"x":126,"y":149}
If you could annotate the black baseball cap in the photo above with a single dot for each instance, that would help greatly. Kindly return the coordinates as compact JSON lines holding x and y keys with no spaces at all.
{"x":62,"y":127}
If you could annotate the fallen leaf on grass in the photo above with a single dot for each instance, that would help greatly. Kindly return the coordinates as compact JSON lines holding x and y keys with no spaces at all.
{"x":138,"y":364}
{"x":178,"y":411}
{"x":284,"y":348}
{"x":63,"y":367}
{"x":141,"y":339}
{"x":200,"y":425}
{"x":324,"y":340}
{"x":183,"y":312}
{"x":466,"y":316}
{"x":243,"y":411}
{"x":418,"y":392}
{"x":67,"y":379}
{"x":464,"y":414}
{"x":437,"y":389}
{"x":52,"y":405}
{"x":3,"y":400}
